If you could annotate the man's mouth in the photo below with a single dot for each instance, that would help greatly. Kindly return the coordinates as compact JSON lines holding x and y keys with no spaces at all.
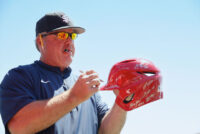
{"x":68,"y":51}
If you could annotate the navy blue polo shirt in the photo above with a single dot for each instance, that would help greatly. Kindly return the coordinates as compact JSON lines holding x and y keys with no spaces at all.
{"x":39,"y":81}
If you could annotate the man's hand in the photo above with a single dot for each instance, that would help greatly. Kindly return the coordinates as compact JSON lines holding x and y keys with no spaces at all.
{"x":86,"y":85}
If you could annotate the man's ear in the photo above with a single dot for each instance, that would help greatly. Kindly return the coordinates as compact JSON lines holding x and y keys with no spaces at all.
{"x":39,"y":42}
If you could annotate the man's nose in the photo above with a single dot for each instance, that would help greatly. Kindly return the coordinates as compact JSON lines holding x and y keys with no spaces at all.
{"x":69,"y":39}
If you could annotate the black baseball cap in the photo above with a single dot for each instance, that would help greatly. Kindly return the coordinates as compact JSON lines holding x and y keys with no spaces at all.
{"x":56,"y":21}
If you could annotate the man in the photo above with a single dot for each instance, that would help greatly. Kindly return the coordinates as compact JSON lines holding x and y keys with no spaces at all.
{"x":46,"y":98}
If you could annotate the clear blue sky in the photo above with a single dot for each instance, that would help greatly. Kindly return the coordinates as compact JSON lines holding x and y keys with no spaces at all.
{"x":165,"y":32}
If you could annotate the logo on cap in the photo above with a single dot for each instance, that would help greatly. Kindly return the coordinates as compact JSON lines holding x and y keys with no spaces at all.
{"x":65,"y":19}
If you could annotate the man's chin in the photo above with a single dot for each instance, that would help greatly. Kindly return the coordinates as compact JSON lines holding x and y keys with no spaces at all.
{"x":67,"y":63}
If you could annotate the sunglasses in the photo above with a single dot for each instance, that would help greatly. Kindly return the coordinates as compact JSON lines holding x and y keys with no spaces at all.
{"x":63,"y":35}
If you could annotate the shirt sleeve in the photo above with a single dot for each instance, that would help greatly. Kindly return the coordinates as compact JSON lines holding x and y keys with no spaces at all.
{"x":15,"y":92}
{"x":102,"y":108}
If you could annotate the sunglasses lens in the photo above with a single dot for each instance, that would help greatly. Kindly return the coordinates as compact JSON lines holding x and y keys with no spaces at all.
{"x":62,"y":35}
{"x":73,"y":36}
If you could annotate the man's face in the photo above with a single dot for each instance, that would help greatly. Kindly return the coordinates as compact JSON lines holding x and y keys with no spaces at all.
{"x":57,"y":52}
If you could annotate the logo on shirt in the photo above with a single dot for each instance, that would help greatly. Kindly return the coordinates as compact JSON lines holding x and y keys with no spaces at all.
{"x":42,"y":81}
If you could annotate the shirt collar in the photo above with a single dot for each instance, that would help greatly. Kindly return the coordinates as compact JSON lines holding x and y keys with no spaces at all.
{"x":64,"y":73}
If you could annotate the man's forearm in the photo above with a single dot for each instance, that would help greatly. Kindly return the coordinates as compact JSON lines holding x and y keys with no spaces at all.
{"x":113,"y":121}
{"x":39,"y":115}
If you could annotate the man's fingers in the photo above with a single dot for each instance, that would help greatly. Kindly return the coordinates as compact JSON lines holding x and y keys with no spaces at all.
{"x":94,"y":83}
{"x":92,"y":79}
{"x":92,"y":76}
{"x":90,"y":72}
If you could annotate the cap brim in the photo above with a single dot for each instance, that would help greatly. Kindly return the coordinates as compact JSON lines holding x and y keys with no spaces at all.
{"x":78,"y":30}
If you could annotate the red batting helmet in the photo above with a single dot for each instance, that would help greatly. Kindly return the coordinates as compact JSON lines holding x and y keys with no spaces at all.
{"x":137,"y":80}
